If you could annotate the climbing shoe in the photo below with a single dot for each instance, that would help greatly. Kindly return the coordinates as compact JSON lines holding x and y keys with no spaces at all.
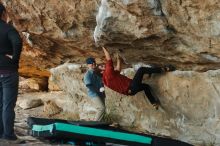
{"x":156,"y":106}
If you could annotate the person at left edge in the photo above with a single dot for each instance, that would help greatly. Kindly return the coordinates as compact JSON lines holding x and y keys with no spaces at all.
{"x":10,"y":50}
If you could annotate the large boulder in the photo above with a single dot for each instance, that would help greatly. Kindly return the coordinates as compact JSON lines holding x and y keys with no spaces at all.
{"x":69,"y":78}
{"x":185,"y":33}
{"x":29,"y":102}
{"x":189,"y":100}
{"x":33,"y":84}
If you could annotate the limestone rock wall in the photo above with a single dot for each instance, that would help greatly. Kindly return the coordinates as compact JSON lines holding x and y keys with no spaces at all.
{"x":190,"y":103}
{"x":54,"y":31}
{"x":185,"y":33}
{"x":69,"y":78}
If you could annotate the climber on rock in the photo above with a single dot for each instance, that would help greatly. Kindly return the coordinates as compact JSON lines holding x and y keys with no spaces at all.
{"x":124,"y":85}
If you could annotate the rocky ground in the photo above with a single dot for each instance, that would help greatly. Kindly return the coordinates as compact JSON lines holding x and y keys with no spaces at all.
{"x":45,"y":110}
{"x":21,"y":127}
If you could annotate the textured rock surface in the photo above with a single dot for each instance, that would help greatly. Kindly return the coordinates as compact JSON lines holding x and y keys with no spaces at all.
{"x":57,"y":105}
{"x":69,"y":79}
{"x":29,"y":102}
{"x":190,"y":103}
{"x":182,"y":32}
{"x":185,"y":33}
{"x":33,"y":84}
{"x":51,"y":108}
{"x":52,"y":86}
{"x":55,"y":31}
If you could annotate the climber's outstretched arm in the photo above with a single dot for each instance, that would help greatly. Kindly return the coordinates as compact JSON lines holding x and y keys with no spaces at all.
{"x":118,"y":67}
{"x":107,"y":55}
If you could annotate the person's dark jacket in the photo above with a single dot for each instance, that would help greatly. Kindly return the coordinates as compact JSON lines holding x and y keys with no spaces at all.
{"x":10,"y":44}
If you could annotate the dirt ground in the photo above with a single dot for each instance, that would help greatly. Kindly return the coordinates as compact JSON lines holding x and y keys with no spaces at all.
{"x":21,"y":127}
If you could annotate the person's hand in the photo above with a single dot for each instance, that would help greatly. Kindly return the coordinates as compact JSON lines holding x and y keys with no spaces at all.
{"x":9,"y":56}
{"x":102,"y":89}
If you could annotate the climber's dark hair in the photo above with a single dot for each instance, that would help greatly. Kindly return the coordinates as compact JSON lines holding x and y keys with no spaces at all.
{"x":2,"y":9}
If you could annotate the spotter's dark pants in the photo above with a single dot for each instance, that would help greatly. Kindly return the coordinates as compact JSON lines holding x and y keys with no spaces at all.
{"x":8,"y":98}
